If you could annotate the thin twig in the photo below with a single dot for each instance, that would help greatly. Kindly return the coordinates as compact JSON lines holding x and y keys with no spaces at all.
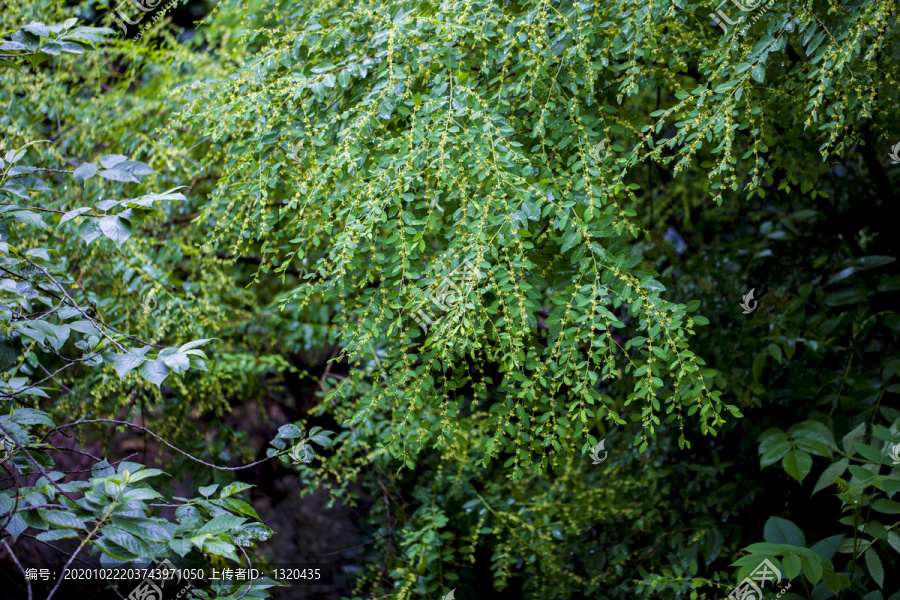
{"x":18,"y":564}
{"x":202,"y":462}
{"x":35,"y":463}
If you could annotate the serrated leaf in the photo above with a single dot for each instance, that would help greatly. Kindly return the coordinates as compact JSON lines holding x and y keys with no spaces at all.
{"x":154,"y":371}
{"x":57,"y":534}
{"x":116,"y":229}
{"x":30,"y":416}
{"x":290,"y":431}
{"x":856,"y":433}
{"x":145,"y":528}
{"x":221,"y":524}
{"x":108,"y":161}
{"x":89,"y":231}
{"x":797,"y":464}
{"x":889,"y":507}
{"x":759,"y":72}
{"x":873,"y":563}
{"x":126,"y":540}
{"x":791,"y":563}
{"x":118,"y":175}
{"x":84,"y":171}
{"x":782,"y":531}
{"x":812,"y":569}
{"x":175,"y":359}
{"x":124,"y":363}
{"x":833,"y":470}
{"x":234,"y":488}
{"x":61,"y":519}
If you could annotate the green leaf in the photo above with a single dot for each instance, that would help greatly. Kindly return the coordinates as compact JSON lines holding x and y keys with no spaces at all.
{"x":209,"y":490}
{"x":118,"y":175}
{"x":759,"y":72}
{"x":155,"y":371}
{"x":791,"y":564}
{"x":108,"y":161}
{"x":812,"y":569}
{"x":782,"y":531}
{"x":30,"y":416}
{"x":889,"y":507}
{"x":894,"y":540}
{"x":239,"y":506}
{"x":233,"y":488}
{"x":89,"y":231}
{"x":84,"y":171}
{"x":827,"y":547}
{"x":220,"y":548}
{"x":873,"y":562}
{"x":856,"y":433}
{"x":797,"y":464}
{"x":126,"y":540}
{"x":221,"y":524}
{"x":182,"y":547}
{"x":148,"y":529}
{"x":570,"y":239}
{"x":124,"y":363}
{"x":109,"y":548}
{"x":175,"y":359}
{"x":61,"y":519}
{"x":57,"y":534}
{"x":290,"y":431}
{"x":140,"y":494}
{"x":145,"y":473}
{"x":116,"y":229}
{"x":833,"y":470}
{"x":196,"y":343}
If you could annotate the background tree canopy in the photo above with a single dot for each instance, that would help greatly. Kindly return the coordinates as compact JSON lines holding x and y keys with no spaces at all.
{"x":368,"y":283}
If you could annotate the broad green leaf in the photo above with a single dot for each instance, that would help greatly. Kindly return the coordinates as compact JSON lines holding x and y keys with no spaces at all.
{"x":116,"y":229}
{"x":873,"y":562}
{"x":782,"y":531}
{"x":221,"y":524}
{"x":124,"y":363}
{"x":154,"y":371}
{"x":833,"y":470}
{"x":233,"y":488}
{"x":61,"y":519}
{"x":797,"y":464}
{"x":890,"y":507}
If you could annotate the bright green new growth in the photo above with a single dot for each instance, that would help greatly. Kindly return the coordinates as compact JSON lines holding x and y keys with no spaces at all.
{"x":435,"y":135}
{"x":431,"y":137}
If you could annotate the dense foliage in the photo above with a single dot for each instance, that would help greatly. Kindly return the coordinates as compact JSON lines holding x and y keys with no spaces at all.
{"x":475,"y":239}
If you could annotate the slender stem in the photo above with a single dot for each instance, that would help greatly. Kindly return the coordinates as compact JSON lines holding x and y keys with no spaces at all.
{"x":144,"y":429}
{"x":18,"y":564}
